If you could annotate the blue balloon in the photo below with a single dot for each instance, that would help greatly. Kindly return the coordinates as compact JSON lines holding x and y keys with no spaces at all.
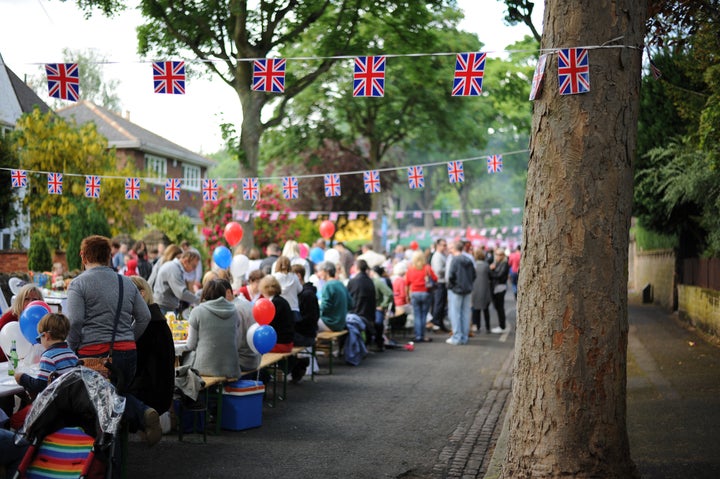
{"x":264,"y":339}
{"x":29,"y":320}
{"x":222,"y":257}
{"x":317,"y":255}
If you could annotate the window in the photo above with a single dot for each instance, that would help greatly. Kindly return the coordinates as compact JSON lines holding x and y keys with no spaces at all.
{"x":156,"y":167}
{"x":191,"y":177}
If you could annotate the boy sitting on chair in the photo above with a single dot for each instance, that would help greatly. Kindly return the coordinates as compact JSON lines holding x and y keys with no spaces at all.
{"x":57,"y":359}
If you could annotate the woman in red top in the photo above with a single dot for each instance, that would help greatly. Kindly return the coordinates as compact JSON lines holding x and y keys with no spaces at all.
{"x":418,"y":293}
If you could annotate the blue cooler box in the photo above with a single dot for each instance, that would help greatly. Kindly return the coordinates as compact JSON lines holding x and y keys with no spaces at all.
{"x":242,"y":404}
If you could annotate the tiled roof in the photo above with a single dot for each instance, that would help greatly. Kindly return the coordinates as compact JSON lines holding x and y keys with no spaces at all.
{"x":27,"y":98}
{"x":122,"y":133}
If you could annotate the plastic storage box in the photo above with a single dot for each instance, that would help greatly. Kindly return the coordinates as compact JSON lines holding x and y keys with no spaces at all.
{"x":242,"y":404}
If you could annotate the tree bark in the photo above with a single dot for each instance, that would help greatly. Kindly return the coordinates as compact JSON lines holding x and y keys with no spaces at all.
{"x":567,"y":416}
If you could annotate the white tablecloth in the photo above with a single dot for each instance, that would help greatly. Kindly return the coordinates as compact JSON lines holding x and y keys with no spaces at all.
{"x":8,"y":386}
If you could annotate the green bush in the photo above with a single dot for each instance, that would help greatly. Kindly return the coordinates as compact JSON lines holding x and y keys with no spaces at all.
{"x":648,"y":240}
{"x":39,"y":256}
{"x":86,"y":221}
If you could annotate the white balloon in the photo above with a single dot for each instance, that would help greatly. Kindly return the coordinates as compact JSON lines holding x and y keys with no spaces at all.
{"x":239,"y":265}
{"x":12,"y":331}
{"x":250,"y":333}
{"x":333,"y":256}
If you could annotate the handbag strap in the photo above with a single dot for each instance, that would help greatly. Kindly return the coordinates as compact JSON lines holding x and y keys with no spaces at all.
{"x":117,"y":314}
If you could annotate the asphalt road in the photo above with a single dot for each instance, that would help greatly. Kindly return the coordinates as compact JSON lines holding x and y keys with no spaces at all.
{"x":418,"y":414}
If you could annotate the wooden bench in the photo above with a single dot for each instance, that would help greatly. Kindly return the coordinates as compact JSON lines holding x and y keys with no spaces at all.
{"x":325,"y":341}
{"x":213,"y":388}
{"x":277,"y":361}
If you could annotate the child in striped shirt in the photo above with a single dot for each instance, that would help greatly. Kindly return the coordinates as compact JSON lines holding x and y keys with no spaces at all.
{"x":57,"y":359}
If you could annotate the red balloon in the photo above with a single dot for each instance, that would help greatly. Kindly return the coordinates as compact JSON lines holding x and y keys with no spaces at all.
{"x":39,"y":303}
{"x":327,"y":229}
{"x":233,"y":233}
{"x":414,"y":245}
{"x":263,"y":311}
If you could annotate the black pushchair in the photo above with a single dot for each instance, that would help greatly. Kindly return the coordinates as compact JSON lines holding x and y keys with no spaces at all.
{"x":71,"y":427}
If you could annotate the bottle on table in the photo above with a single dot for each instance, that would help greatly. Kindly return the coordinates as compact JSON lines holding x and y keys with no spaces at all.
{"x":12,"y":359}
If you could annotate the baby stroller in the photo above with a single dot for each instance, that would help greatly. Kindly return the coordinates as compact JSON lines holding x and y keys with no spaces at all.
{"x":71,"y":427}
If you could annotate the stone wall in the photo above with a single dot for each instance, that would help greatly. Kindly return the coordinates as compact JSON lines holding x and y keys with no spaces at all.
{"x":656,"y":268}
{"x":700,"y":307}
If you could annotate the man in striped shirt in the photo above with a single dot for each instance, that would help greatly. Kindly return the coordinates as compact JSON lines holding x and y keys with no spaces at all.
{"x":57,"y":359}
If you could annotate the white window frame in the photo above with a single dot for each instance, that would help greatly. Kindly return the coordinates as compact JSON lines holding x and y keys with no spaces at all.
{"x":156,"y":168}
{"x":191,"y":177}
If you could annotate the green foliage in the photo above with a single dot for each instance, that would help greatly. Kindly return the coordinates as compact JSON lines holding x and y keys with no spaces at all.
{"x":268,"y":230}
{"x":307,"y":231}
{"x":48,"y":143}
{"x":39,"y":255}
{"x":175,"y":226}
{"x":8,"y":198}
{"x":216,"y":215}
{"x":86,"y":221}
{"x":226,"y":167}
{"x":648,"y":240}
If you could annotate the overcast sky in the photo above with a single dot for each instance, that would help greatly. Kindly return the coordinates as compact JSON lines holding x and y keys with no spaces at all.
{"x":34,"y":32}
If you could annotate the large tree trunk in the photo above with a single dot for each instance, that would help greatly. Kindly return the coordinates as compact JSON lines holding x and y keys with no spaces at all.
{"x":567,"y":416}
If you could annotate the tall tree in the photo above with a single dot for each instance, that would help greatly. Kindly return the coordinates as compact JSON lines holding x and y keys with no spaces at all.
{"x":567,"y":414}
{"x":227,"y":34}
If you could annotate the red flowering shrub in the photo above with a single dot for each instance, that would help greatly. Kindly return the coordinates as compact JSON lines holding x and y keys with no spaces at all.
{"x":215,"y":215}
{"x":271,"y":229}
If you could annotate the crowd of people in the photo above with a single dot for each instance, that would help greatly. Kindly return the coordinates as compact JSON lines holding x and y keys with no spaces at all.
{"x":118,"y":307}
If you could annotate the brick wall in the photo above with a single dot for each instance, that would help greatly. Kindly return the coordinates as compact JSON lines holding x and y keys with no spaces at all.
{"x":15,"y":261}
{"x":700,"y":307}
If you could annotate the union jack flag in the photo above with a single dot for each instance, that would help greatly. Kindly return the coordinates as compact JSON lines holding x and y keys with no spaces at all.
{"x":172,"y":189}
{"x":250,"y":188}
{"x":63,"y":80}
{"x":169,"y":77}
{"x":209,"y":190}
{"x":132,"y":188}
{"x":332,"y":184}
{"x":538,"y":77}
{"x":469,"y":72}
{"x":573,"y":71}
{"x":456,"y":172}
{"x":269,"y":75}
{"x":416,"y":177}
{"x":290,"y":187}
{"x":494,"y":163}
{"x":92,"y":186}
{"x":371,"y":179}
{"x":55,"y":181}
{"x":369,"y":76}
{"x":19,"y":178}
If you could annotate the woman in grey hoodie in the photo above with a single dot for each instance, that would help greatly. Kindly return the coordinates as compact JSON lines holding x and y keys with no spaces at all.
{"x":212,"y":334}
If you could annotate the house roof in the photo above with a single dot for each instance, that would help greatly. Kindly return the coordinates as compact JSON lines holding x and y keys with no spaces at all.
{"x":123,"y":134}
{"x":16,"y":97}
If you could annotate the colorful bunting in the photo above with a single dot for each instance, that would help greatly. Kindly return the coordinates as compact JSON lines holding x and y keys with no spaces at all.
{"x":172,"y":189}
{"x":371,"y":180}
{"x":538,"y":77}
{"x":290,"y":187}
{"x":250,"y":189}
{"x":456,"y":173}
{"x":210,"y":190}
{"x":369,"y":76}
{"x":332,"y":184}
{"x":63,"y":80}
{"x":55,"y":183}
{"x":469,"y":72}
{"x":132,"y":188}
{"x":372,"y":215}
{"x":269,"y":75}
{"x":18,"y":178}
{"x":494,"y":164}
{"x":92,"y":186}
{"x":169,"y":77}
{"x":416,"y":177}
{"x":573,"y":71}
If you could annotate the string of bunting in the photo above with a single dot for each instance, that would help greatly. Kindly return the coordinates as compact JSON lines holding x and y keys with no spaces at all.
{"x":251,"y":186}
{"x":169,"y":76}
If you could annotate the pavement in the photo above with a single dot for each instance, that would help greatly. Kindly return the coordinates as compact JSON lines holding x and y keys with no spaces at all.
{"x":437,"y":412}
{"x":673,"y":399}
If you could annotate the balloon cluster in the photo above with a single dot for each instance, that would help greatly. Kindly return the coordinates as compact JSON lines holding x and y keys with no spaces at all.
{"x":222,"y":256}
{"x":24,"y":331}
{"x":261,"y":337}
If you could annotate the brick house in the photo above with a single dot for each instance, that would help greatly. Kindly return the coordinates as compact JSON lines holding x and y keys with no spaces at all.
{"x":152,"y":154}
